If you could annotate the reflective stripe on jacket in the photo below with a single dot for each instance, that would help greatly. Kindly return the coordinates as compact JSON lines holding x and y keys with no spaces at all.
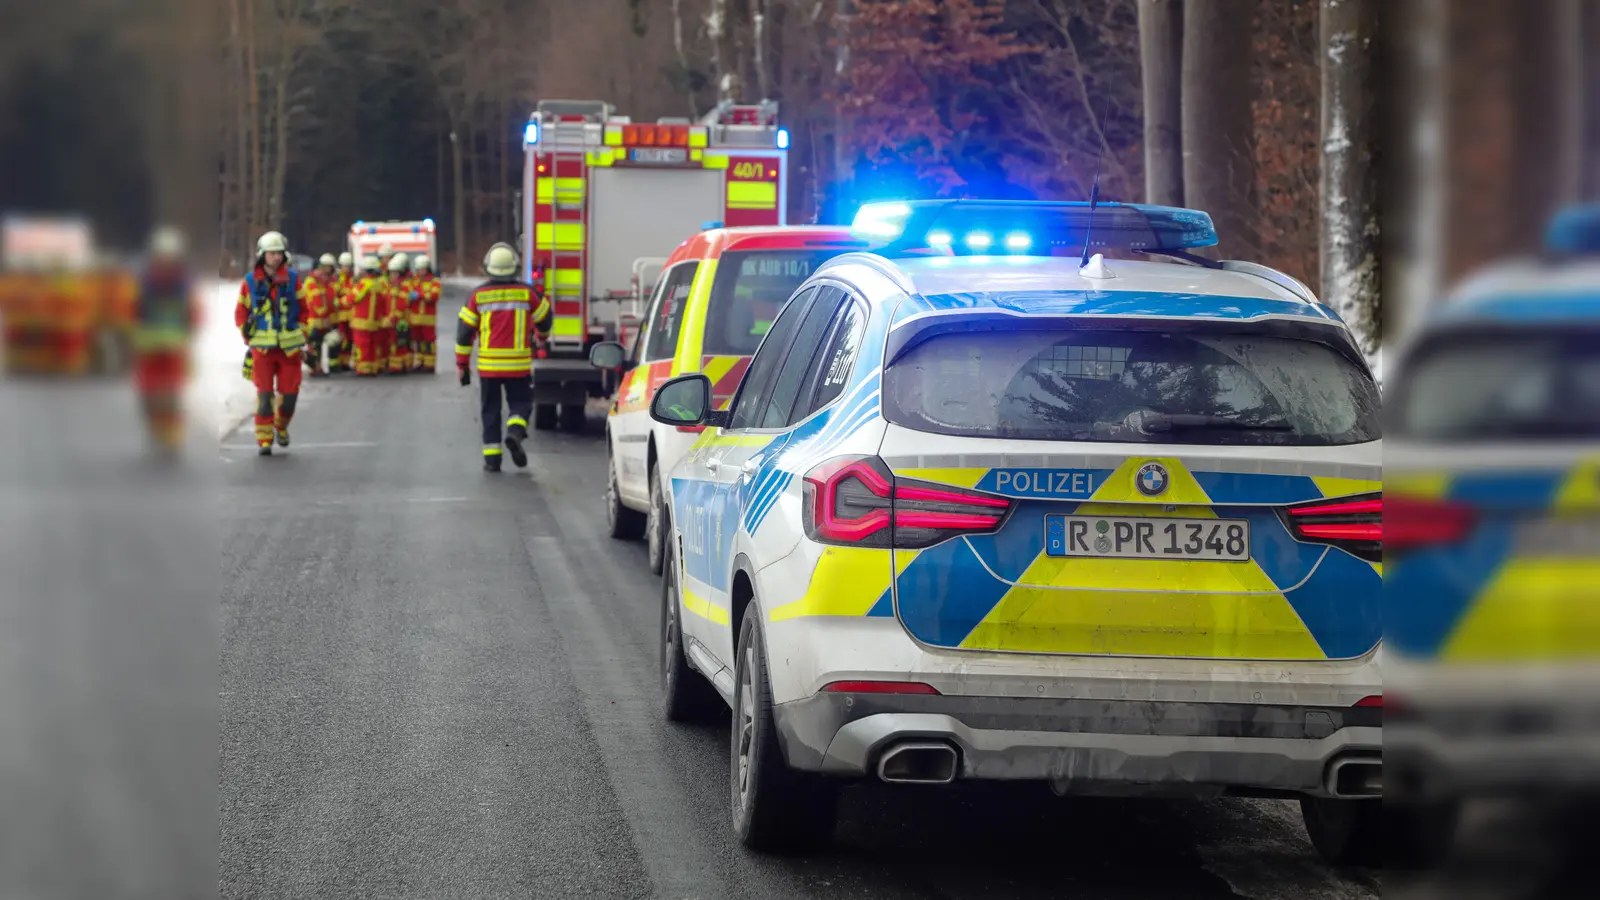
{"x":269,"y":307}
{"x":500,"y":320}
{"x":425,"y":300}
{"x":369,"y":303}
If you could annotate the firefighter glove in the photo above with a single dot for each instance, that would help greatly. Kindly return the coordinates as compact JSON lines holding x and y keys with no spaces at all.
{"x":466,"y":375}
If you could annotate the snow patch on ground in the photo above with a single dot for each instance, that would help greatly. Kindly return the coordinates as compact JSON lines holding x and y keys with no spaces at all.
{"x":218,"y":393}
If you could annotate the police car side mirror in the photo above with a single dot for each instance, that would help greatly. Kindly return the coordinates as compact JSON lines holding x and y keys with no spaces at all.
{"x":608,"y":355}
{"x":683,"y":401}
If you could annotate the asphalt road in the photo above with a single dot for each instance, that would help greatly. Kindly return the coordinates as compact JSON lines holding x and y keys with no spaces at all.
{"x":440,"y":683}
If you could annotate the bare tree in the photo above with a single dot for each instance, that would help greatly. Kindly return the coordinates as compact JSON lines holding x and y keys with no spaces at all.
{"x":1161,"y":62}
{"x":1351,"y":233}
{"x":1218,"y":145}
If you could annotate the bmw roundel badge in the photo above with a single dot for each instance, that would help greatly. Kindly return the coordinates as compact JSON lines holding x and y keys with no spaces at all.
{"x":1152,"y":479}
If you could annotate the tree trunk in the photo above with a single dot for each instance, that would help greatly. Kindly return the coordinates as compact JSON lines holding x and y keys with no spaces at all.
{"x":460,"y":198}
{"x":1161,"y":62}
{"x":280,"y":116}
{"x":758,"y":41}
{"x":1218,"y":156}
{"x":724,"y":57}
{"x":843,"y":166}
{"x":471,"y":165}
{"x":253,"y":89}
{"x":683,"y":57}
{"x":1351,"y":233}
{"x":1416,"y":170}
{"x":1547,"y":104}
{"x":1590,"y":151}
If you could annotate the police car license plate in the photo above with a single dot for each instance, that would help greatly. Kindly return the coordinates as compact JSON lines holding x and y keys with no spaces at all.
{"x":1147,"y":537}
{"x":660,"y":155}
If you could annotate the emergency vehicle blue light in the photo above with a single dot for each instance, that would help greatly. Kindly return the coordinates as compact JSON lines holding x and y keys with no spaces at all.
{"x":881,"y":220}
{"x":1575,"y":230}
{"x":428,"y":223}
{"x":530,"y":135}
{"x":1027,"y":227}
{"x":783,"y":138}
{"x":372,"y":229}
{"x":707,"y":226}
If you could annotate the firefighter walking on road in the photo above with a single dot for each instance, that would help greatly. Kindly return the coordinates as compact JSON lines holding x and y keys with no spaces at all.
{"x":271,"y":316}
{"x":399,"y":330}
{"x":164,"y":320}
{"x":503,"y":319}
{"x":425,"y":294}
{"x":344,"y":284}
{"x":368,"y":302}
{"x":321,"y":299}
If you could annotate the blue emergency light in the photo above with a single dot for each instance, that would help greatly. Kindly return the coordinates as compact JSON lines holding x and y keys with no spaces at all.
{"x":530,"y":134}
{"x":428,"y":223}
{"x":1575,"y":231}
{"x":1032,"y":228}
{"x":783,"y":138}
{"x":707,"y":226}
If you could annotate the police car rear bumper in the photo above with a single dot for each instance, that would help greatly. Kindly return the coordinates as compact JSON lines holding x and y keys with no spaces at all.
{"x":1096,"y":746}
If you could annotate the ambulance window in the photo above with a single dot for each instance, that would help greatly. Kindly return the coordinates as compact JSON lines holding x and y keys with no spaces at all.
{"x":751,"y":286}
{"x":666,"y":317}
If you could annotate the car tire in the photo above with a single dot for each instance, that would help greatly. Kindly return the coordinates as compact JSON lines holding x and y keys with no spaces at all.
{"x":574,"y":417}
{"x":657,"y":522}
{"x":622,"y":523}
{"x":775,"y":809}
{"x":1372,"y":833}
{"x":544,"y":417}
{"x":686,"y":696}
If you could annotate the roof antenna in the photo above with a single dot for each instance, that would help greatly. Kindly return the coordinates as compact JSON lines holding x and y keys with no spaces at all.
{"x":1094,"y":200}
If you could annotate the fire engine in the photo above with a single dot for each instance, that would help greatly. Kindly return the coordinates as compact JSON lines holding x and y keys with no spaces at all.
{"x":604,"y":199}
{"x":410,"y":238}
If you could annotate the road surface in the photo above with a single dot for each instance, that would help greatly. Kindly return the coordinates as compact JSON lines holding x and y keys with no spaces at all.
{"x":440,"y":683}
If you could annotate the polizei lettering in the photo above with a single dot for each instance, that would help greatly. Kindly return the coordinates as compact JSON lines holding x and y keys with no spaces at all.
{"x":1045,"y":482}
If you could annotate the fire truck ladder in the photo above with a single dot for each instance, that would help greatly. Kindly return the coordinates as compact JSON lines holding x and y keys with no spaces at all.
{"x":570,"y":130}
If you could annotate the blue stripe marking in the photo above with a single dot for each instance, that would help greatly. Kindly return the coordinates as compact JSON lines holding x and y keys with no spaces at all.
{"x":766,"y":506}
{"x":1128,"y":303}
{"x":884,"y":608}
{"x":945,"y":592}
{"x":1230,"y":487}
{"x":1341,"y":606}
{"x":1522,"y":490}
{"x":1427,"y":592}
{"x":1540,"y":308}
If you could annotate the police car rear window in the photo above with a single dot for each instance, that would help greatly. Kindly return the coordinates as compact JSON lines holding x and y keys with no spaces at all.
{"x":1217,"y":388}
{"x":1500,"y":385}
{"x":750,"y":287}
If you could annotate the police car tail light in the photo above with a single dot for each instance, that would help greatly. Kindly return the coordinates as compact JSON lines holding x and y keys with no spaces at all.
{"x":1354,"y":524}
{"x":1415,"y":523}
{"x":858,"y":501}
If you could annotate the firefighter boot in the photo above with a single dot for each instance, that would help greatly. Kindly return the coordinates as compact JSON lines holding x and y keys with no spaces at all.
{"x":491,"y":463}
{"x":515,"y":435}
{"x":280,"y":423}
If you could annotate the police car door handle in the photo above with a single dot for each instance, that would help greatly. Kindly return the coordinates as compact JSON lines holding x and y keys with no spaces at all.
{"x":712,"y":464}
{"x":750,"y":466}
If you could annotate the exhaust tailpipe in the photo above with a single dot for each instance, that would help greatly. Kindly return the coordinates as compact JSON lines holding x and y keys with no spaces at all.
{"x":1355,"y":777}
{"x":918,"y":762}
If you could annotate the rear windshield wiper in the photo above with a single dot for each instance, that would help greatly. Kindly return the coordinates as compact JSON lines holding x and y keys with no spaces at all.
{"x":1156,"y":423}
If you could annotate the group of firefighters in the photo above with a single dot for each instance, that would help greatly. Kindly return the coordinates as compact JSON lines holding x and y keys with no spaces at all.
{"x":384,"y":321}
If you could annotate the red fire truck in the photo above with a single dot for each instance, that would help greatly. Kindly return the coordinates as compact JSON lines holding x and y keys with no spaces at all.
{"x":602,"y":193}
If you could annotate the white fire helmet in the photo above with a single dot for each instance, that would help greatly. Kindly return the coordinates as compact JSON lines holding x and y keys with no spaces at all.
{"x":421,"y":262}
{"x":500,"y":261}
{"x":397,"y":263}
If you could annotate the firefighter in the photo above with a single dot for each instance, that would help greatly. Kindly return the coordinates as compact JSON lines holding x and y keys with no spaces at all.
{"x":385,"y":253}
{"x":399,"y":330}
{"x":490,"y":322}
{"x":425,"y":293}
{"x":339,"y":357}
{"x":321,"y":301}
{"x":368,"y":299}
{"x":165,"y":317}
{"x":272,"y":318}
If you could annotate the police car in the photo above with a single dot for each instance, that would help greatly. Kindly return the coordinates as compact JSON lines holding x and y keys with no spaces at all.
{"x":1493,"y":537}
{"x":989,"y":505}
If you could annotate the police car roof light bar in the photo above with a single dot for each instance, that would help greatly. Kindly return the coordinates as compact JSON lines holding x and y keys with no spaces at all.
{"x":1575,"y":231}
{"x":915,"y":227}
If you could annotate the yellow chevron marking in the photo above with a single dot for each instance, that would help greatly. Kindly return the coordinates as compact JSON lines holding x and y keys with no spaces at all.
{"x":1535,"y":608}
{"x":1344,"y":487}
{"x":846,"y":582}
{"x":954,"y":477}
{"x":1119,"y":487}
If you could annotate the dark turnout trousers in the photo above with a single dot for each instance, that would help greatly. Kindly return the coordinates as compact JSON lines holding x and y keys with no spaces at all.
{"x":518,"y":393}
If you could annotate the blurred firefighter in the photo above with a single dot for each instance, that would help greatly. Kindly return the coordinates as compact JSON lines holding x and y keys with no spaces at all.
{"x":368,"y":302}
{"x":399,"y":330}
{"x":503,"y":318}
{"x":425,"y":294}
{"x":339,"y":357}
{"x":271,"y":316}
{"x":321,"y":300}
{"x":385,"y":253}
{"x":164,"y":320}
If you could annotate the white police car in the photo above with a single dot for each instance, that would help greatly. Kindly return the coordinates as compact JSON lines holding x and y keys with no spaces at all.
{"x":981,"y":510}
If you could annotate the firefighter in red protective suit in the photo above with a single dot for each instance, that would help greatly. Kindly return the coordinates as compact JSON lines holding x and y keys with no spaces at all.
{"x":164,"y":320}
{"x":369,"y":300}
{"x":504,"y":319}
{"x":399,"y":330}
{"x":425,"y":293}
{"x":271,"y":316}
{"x":344,"y":282}
{"x":321,"y":302}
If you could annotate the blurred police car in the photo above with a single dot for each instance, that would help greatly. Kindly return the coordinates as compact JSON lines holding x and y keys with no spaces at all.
{"x":1493,"y":537}
{"x":988,"y":505}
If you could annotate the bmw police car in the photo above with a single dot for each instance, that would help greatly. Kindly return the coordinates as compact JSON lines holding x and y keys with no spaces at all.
{"x":1493,"y":537}
{"x":985,"y":507}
